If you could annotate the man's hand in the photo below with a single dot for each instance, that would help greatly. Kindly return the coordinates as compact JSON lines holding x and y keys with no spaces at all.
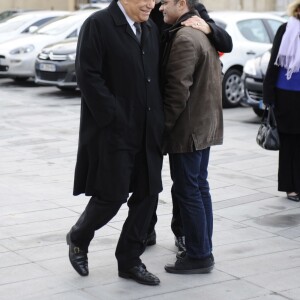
{"x":197,"y":23}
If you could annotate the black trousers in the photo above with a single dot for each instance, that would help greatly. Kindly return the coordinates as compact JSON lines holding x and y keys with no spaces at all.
{"x":176,"y":222}
{"x":100,"y":211}
{"x":289,"y":163}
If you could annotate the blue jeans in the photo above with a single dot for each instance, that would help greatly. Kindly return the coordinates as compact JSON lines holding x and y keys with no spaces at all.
{"x":190,"y":190}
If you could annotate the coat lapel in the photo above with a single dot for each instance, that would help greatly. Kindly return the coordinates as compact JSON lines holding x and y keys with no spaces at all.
{"x":120,"y":20}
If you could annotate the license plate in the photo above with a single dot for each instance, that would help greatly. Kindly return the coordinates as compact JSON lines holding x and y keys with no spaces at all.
{"x":47,"y":67}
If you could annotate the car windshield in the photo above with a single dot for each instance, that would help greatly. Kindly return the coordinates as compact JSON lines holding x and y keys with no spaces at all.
{"x":254,"y":30}
{"x":61,"y":25}
{"x":14,"y":23}
{"x":6,"y":14}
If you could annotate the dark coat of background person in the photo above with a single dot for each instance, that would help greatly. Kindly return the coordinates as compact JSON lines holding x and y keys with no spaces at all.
{"x":287,"y":103}
{"x":218,"y":37}
{"x":286,"y":108}
{"x":120,"y":111}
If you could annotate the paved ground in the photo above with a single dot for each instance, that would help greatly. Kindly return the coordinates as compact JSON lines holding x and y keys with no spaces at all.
{"x":256,"y":231}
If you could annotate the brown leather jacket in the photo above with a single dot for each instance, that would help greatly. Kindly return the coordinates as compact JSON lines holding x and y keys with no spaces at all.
{"x":192,"y":91}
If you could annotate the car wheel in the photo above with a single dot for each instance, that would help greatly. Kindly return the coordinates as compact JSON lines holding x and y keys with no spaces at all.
{"x":67,"y":88}
{"x":259,"y":112}
{"x":233,"y":88}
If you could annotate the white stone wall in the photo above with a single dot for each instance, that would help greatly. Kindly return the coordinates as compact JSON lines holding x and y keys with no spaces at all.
{"x":38,"y":4}
{"x":250,"y":5}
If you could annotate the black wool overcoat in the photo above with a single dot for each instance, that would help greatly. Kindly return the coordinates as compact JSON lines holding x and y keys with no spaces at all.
{"x":121,"y":105}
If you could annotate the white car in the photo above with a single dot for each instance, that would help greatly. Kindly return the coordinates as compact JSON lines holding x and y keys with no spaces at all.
{"x":17,"y":56}
{"x":252,"y":34}
{"x":26,"y":22}
{"x":96,"y":5}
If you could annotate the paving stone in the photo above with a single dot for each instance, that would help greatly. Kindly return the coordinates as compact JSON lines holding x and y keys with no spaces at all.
{"x":277,"y":281}
{"x":253,"y":210}
{"x":256,"y":230}
{"x":38,"y":288}
{"x":22,"y":272}
{"x":260,"y":264}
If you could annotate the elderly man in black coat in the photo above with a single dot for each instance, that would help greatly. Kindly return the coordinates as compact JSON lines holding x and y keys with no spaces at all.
{"x":121,"y":129}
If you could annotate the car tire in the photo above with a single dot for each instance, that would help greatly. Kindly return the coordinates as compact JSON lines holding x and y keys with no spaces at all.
{"x":233,"y":88}
{"x":259,"y":112}
{"x":67,"y":88}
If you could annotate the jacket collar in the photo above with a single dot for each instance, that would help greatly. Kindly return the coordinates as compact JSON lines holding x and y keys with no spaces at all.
{"x":171,"y":31}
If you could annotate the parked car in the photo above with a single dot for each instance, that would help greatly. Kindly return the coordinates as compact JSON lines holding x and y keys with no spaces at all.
{"x":26,"y":22}
{"x":55,"y":65}
{"x":252,"y":34}
{"x":95,"y":5}
{"x":17,"y":56}
{"x":254,"y":73}
{"x":10,"y":12}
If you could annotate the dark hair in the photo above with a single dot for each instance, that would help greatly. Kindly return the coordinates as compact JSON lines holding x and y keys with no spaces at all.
{"x":190,"y":3}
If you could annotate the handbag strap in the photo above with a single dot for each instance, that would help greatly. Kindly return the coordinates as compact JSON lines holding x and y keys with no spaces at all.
{"x":271,"y":117}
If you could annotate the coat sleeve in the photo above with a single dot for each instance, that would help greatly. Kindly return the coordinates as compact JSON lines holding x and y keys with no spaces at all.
{"x":219,"y":37}
{"x":270,"y":79}
{"x":179,"y":78}
{"x":89,"y":61}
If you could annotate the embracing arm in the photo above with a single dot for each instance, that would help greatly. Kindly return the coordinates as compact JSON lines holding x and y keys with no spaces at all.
{"x":218,"y":36}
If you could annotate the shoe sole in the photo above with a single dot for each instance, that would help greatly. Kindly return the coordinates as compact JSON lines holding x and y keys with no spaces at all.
{"x":194,"y":271}
{"x":293,"y":199}
{"x":68,"y":239}
{"x":128,"y":276}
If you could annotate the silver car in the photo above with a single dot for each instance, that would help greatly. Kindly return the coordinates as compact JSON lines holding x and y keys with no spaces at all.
{"x":17,"y":57}
{"x":252,"y":34}
{"x":55,"y":65}
{"x":26,"y":22}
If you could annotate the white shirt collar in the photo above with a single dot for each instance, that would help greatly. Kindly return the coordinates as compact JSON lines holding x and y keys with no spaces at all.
{"x":130,"y":22}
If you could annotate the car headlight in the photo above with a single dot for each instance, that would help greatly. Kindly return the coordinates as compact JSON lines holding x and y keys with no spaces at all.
{"x":72,"y":56}
{"x":265,"y":62}
{"x":22,"y":50}
{"x":250,"y":67}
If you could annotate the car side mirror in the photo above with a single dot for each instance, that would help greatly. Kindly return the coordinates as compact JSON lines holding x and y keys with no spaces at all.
{"x":32,"y":28}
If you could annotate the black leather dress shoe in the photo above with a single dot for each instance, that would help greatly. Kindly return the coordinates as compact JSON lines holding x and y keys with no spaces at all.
{"x":78,"y":258}
{"x":180,"y":243}
{"x":187,"y":265}
{"x":141,"y":275}
{"x":151,"y":239}
{"x":295,"y":198}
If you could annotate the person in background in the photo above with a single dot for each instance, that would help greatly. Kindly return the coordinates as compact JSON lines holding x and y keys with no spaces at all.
{"x":121,"y":130}
{"x":222,"y":42}
{"x":281,"y":89}
{"x":192,"y":93}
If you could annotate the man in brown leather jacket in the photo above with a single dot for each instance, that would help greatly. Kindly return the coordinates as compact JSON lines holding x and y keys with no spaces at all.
{"x":222,"y":42}
{"x":192,"y":93}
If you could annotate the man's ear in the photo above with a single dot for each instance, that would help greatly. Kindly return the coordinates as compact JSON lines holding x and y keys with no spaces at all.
{"x":182,"y":4}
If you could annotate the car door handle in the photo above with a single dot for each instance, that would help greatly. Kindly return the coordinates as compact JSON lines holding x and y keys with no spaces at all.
{"x":251,"y":52}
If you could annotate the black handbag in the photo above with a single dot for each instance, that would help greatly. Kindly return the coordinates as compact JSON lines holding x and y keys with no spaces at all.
{"x":267,"y":136}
